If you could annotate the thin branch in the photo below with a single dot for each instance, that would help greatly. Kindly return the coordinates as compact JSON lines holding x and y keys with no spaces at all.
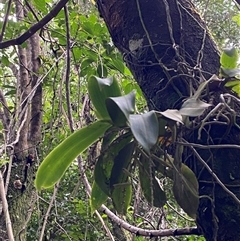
{"x":22,"y":38}
{"x":68,"y":48}
{"x":5,"y":209}
{"x":31,"y":9}
{"x":48,"y":211}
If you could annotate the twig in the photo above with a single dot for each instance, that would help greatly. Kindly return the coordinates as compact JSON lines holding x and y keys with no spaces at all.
{"x":22,"y":38}
{"x":48,"y":211}
{"x":5,"y":209}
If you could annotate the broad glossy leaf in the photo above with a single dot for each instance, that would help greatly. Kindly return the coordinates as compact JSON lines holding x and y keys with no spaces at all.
{"x":185,"y":190}
{"x":151,"y":189}
{"x":98,"y":197}
{"x":229,"y":58}
{"x":193,"y":107}
{"x":145,"y":129}
{"x":99,"y":90}
{"x":104,"y":165}
{"x":174,"y":115}
{"x":58,"y":160}
{"x":119,"y":108}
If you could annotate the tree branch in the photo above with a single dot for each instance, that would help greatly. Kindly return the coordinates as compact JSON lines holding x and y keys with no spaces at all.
{"x":22,"y":38}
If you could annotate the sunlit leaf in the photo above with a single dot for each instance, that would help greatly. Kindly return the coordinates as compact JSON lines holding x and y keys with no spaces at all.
{"x":229,"y":58}
{"x":58,"y":160}
{"x":232,"y":83}
{"x":236,"y":89}
{"x":145,"y":129}
{"x":236,"y":19}
{"x":119,"y":108}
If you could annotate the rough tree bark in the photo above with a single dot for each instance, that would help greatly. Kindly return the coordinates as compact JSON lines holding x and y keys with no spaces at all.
{"x":169,"y":50}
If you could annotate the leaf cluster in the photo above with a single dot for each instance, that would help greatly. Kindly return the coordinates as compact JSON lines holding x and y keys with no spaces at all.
{"x":129,"y":140}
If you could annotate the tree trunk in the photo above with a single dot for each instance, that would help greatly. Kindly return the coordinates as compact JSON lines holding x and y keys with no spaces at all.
{"x":169,"y":50}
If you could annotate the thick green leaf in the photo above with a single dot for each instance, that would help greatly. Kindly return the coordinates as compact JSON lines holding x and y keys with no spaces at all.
{"x":145,"y":129}
{"x":151,"y":189}
{"x":104,"y":165}
{"x":229,"y":58}
{"x":98,"y":197}
{"x":193,"y":107}
{"x":58,"y":160}
{"x":99,"y":90}
{"x":119,"y":108}
{"x":172,"y":115}
{"x":185,"y":190}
